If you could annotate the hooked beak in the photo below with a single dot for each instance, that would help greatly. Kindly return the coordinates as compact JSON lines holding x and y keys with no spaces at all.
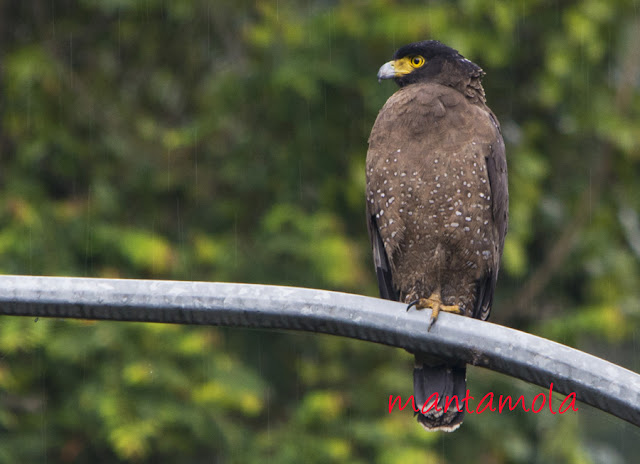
{"x":387,"y":71}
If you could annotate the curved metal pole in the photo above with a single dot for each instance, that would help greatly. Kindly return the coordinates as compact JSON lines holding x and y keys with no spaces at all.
{"x":595,"y":381}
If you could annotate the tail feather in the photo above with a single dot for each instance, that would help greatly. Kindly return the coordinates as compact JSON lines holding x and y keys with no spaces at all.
{"x":446,"y":380}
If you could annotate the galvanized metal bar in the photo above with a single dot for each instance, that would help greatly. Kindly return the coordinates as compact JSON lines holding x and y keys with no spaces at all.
{"x":595,"y":381}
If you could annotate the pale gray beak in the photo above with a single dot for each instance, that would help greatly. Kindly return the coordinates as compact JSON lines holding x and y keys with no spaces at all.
{"x":386,"y":71}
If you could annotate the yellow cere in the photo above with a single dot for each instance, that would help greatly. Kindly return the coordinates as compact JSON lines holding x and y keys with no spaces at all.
{"x":407,"y":64}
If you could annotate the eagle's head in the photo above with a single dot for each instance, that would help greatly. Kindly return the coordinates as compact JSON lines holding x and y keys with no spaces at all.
{"x":425,"y":61}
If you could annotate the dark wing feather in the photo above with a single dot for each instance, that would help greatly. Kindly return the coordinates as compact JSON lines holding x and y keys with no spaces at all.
{"x":497,"y":170}
{"x":383,"y":270}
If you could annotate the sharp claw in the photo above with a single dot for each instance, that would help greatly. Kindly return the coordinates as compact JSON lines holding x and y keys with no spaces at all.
{"x":413,"y":303}
{"x":434,"y":317}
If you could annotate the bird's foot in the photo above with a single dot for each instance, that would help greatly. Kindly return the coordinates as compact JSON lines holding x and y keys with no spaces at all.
{"x":434,"y":302}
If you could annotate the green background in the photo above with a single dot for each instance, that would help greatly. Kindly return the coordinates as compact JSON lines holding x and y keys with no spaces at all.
{"x":225,"y":141}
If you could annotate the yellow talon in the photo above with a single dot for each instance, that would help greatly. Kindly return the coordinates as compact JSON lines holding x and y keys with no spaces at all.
{"x":434,"y":302}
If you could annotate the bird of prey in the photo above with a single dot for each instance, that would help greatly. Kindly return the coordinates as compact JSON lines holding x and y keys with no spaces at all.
{"x":437,"y":202}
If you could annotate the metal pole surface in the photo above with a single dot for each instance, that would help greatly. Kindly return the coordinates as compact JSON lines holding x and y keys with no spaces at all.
{"x":595,"y":381}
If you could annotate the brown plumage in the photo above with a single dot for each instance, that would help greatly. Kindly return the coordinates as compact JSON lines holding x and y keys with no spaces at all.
{"x":437,"y":200}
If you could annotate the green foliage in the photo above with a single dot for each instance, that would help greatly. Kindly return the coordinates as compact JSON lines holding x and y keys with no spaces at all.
{"x":226,"y":142}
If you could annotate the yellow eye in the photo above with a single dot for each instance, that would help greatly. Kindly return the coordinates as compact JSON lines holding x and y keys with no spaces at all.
{"x":417,"y":61}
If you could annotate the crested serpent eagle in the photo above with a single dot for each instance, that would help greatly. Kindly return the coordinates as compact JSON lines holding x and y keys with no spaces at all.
{"x":437,"y":202}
